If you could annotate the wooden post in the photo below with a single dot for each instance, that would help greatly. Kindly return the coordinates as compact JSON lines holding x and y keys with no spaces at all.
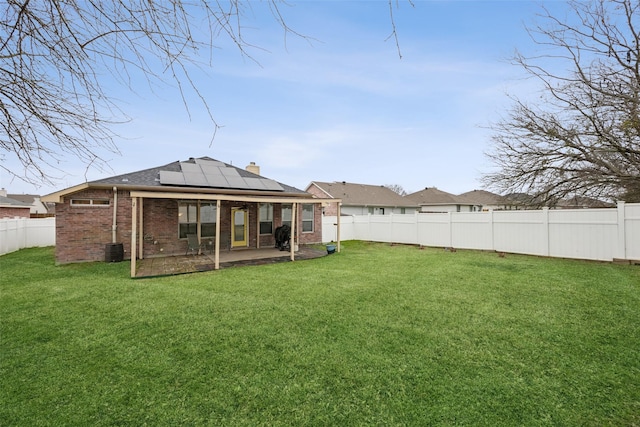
{"x":216,"y":263}
{"x":134,"y":225}
{"x":198,"y":226}
{"x":141,"y":232}
{"x":292,"y":241}
{"x":338,"y":225}
{"x":258,"y":226}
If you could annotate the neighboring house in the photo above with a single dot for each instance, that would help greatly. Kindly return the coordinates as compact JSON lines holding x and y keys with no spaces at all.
{"x":433,"y":200}
{"x":152,"y":211}
{"x":38,"y":208}
{"x":12,"y":208}
{"x":487,"y":201}
{"x":525,"y":201}
{"x":361,"y":199}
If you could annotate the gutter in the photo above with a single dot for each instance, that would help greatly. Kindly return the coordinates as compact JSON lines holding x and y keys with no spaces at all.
{"x":58,"y":196}
{"x":114,"y":226}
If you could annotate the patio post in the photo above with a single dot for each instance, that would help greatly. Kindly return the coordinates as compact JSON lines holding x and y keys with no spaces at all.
{"x":216,"y":263}
{"x":338,"y":225}
{"x":292,"y":240}
{"x":141,"y":232}
{"x":134,"y":225}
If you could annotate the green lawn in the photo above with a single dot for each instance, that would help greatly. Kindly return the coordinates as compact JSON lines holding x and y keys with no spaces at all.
{"x":375,"y":335}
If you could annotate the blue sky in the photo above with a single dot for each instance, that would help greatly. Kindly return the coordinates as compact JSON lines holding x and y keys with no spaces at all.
{"x":340,"y":105}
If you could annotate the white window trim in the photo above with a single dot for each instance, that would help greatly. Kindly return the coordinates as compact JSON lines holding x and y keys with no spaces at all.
{"x":94,"y":203}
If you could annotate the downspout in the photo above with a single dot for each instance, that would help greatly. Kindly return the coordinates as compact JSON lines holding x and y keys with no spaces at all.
{"x":115,"y":211}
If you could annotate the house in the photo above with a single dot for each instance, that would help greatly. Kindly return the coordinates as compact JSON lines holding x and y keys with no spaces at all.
{"x":433,"y":200}
{"x":526,"y":201}
{"x":488,"y":201}
{"x":38,"y":208}
{"x":582,"y":202}
{"x":12,"y":208}
{"x":361,"y":199}
{"x":151,"y":212}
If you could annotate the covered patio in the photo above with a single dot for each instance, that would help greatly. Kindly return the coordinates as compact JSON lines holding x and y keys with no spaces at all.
{"x":181,"y":264}
{"x":213,"y":259}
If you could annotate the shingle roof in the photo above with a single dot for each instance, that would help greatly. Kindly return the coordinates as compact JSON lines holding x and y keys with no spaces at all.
{"x":485,"y":198}
{"x":151,"y":177}
{"x":432,"y":195}
{"x":362,"y":194}
{"x":24,"y":198}
{"x":11,"y":202}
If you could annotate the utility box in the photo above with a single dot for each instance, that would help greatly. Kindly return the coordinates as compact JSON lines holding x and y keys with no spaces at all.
{"x":114,"y":252}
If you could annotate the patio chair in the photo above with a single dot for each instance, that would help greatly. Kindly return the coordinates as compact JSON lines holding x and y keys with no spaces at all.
{"x":193,"y":244}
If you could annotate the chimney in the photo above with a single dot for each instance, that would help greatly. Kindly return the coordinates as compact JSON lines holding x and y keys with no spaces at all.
{"x":3,"y":192}
{"x":253,"y":168}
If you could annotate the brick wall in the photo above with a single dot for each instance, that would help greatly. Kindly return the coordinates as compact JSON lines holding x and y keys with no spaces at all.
{"x":330,"y":209}
{"x":83,"y":231}
{"x":14,"y":212}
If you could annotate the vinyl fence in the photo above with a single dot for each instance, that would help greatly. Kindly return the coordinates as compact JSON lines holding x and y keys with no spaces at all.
{"x":593,"y":234}
{"x":19,"y":233}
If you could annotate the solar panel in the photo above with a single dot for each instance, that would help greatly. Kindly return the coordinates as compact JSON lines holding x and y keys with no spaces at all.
{"x":190,"y":168}
{"x":204,"y":162}
{"x":217,"y":181}
{"x":229,"y":172}
{"x":237,"y":182}
{"x":272,"y":185}
{"x":209,"y":173}
{"x":171,"y":178}
{"x":195,"y":179}
{"x":255,"y":183}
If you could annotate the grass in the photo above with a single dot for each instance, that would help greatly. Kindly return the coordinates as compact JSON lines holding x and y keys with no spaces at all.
{"x":375,"y":335}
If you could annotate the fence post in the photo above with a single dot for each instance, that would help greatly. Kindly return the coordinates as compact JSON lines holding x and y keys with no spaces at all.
{"x":449,"y":220}
{"x":547,"y":231}
{"x":621,"y":250}
{"x":491,"y":228}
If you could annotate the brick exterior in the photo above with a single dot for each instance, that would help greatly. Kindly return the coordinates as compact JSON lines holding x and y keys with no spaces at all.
{"x":8,"y":212}
{"x":330,"y":209}
{"x":82,"y":232}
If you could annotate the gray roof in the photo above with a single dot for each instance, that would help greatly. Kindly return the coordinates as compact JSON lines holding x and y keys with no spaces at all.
{"x":485,"y":198}
{"x":433,"y":196}
{"x":207,"y":176}
{"x":24,"y":198}
{"x":363,"y":194}
{"x":13,"y":203}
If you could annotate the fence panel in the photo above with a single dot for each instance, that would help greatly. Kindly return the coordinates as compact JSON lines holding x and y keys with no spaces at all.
{"x":632,"y":231}
{"x":404,"y":229}
{"x":583,"y":234}
{"x":594,"y":234}
{"x":434,"y":229}
{"x":522,"y":232}
{"x":381,"y":228}
{"x":20,"y":233}
{"x":471,"y":230}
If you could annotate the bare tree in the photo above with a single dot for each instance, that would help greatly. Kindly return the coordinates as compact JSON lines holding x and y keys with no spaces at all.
{"x":55,"y":56}
{"x":582,"y":137}
{"x":396,"y":188}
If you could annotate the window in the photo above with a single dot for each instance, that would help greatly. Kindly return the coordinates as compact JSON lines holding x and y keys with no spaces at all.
{"x":286,"y":215}
{"x":90,"y":202}
{"x":266,"y":218}
{"x":307,"y":218}
{"x":188,"y":219}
